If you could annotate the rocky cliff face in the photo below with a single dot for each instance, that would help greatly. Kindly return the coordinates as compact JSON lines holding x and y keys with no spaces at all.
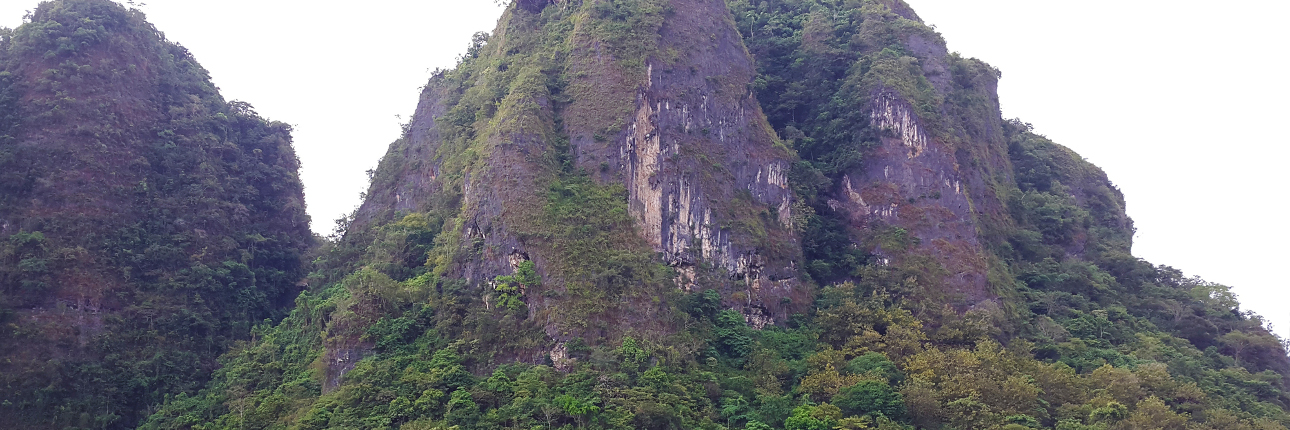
{"x":939,"y":170}
{"x":913,"y":181}
{"x":145,"y":222}
{"x":891,"y":142}
{"x":706,"y":176}
{"x":593,"y":214}
{"x":650,"y":98}
{"x":904,"y":148}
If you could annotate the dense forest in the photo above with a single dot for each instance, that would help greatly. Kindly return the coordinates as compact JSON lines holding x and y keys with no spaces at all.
{"x":146,"y":224}
{"x":658,"y":214}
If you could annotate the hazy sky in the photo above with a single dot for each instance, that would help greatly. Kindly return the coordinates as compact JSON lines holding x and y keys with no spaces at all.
{"x":1182,"y":103}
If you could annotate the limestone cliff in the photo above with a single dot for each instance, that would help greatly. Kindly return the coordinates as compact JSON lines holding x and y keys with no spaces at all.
{"x":891,"y":143}
{"x":647,"y":97}
{"x":939,"y":170}
{"x":750,"y":214}
{"x":903,"y":147}
{"x":705,"y":174}
{"x":943,"y":167}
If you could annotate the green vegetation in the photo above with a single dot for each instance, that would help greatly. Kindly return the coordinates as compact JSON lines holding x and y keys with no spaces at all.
{"x":603,"y":261}
{"x":818,"y":64}
{"x":510,"y":108}
{"x":201,"y":252}
{"x":861,"y":362}
{"x":148,"y":223}
{"x":510,"y":288}
{"x":1087,"y":337}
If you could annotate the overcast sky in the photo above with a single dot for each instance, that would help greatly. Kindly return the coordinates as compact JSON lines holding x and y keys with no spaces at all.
{"x":1182,"y":103}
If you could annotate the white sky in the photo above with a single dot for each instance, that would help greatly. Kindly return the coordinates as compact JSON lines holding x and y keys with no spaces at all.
{"x":1181,"y":102}
{"x":340,"y":72}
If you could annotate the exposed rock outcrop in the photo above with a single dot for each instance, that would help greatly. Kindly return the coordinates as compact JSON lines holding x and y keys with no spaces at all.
{"x":706,"y":177}
{"x":676,"y":127}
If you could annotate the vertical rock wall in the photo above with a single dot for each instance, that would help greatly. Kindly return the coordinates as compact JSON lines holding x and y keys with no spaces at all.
{"x":914,"y":182}
{"x":940,"y":171}
{"x":700,"y":161}
{"x":681,"y":132}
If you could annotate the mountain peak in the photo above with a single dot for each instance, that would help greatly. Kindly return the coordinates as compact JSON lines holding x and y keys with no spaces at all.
{"x":145,"y":219}
{"x":797,"y":214}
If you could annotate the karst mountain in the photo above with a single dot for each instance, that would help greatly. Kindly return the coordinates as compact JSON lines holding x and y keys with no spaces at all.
{"x":610,"y":214}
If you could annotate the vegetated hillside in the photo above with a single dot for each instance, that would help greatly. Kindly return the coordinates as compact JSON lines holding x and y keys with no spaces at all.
{"x":145,"y":223}
{"x":796,"y":214}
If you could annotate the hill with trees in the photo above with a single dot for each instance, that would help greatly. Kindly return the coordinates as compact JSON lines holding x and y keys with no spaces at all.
{"x":660,"y":214}
{"x":146,"y":224}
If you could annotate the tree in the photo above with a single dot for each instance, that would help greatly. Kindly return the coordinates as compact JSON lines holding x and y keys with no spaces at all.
{"x":1218,"y":297}
{"x":808,"y":418}
{"x":462,"y":409}
{"x":871,"y":398}
{"x":581,"y":410}
{"x":1153,"y":414}
{"x":1239,"y":342}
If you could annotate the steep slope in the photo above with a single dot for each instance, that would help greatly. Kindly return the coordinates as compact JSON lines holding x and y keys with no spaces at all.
{"x":590,"y":223}
{"x":145,"y":223}
{"x":900,"y":142}
{"x":604,"y":98}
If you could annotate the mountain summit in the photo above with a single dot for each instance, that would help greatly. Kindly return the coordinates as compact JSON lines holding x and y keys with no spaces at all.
{"x":146,"y":224}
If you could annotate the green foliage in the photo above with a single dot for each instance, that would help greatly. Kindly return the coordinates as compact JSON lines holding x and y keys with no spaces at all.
{"x":871,"y":398}
{"x":1103,"y":340}
{"x":597,"y":249}
{"x":819,"y":64}
{"x":172,"y":220}
{"x":1063,"y":197}
{"x":808,"y":418}
{"x":732,"y":335}
{"x":630,"y":28}
{"x":632,"y":356}
{"x":418,"y":377}
{"x":26,"y":272}
{"x":876,"y":365}
{"x":510,"y":288}
{"x":390,"y":333}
